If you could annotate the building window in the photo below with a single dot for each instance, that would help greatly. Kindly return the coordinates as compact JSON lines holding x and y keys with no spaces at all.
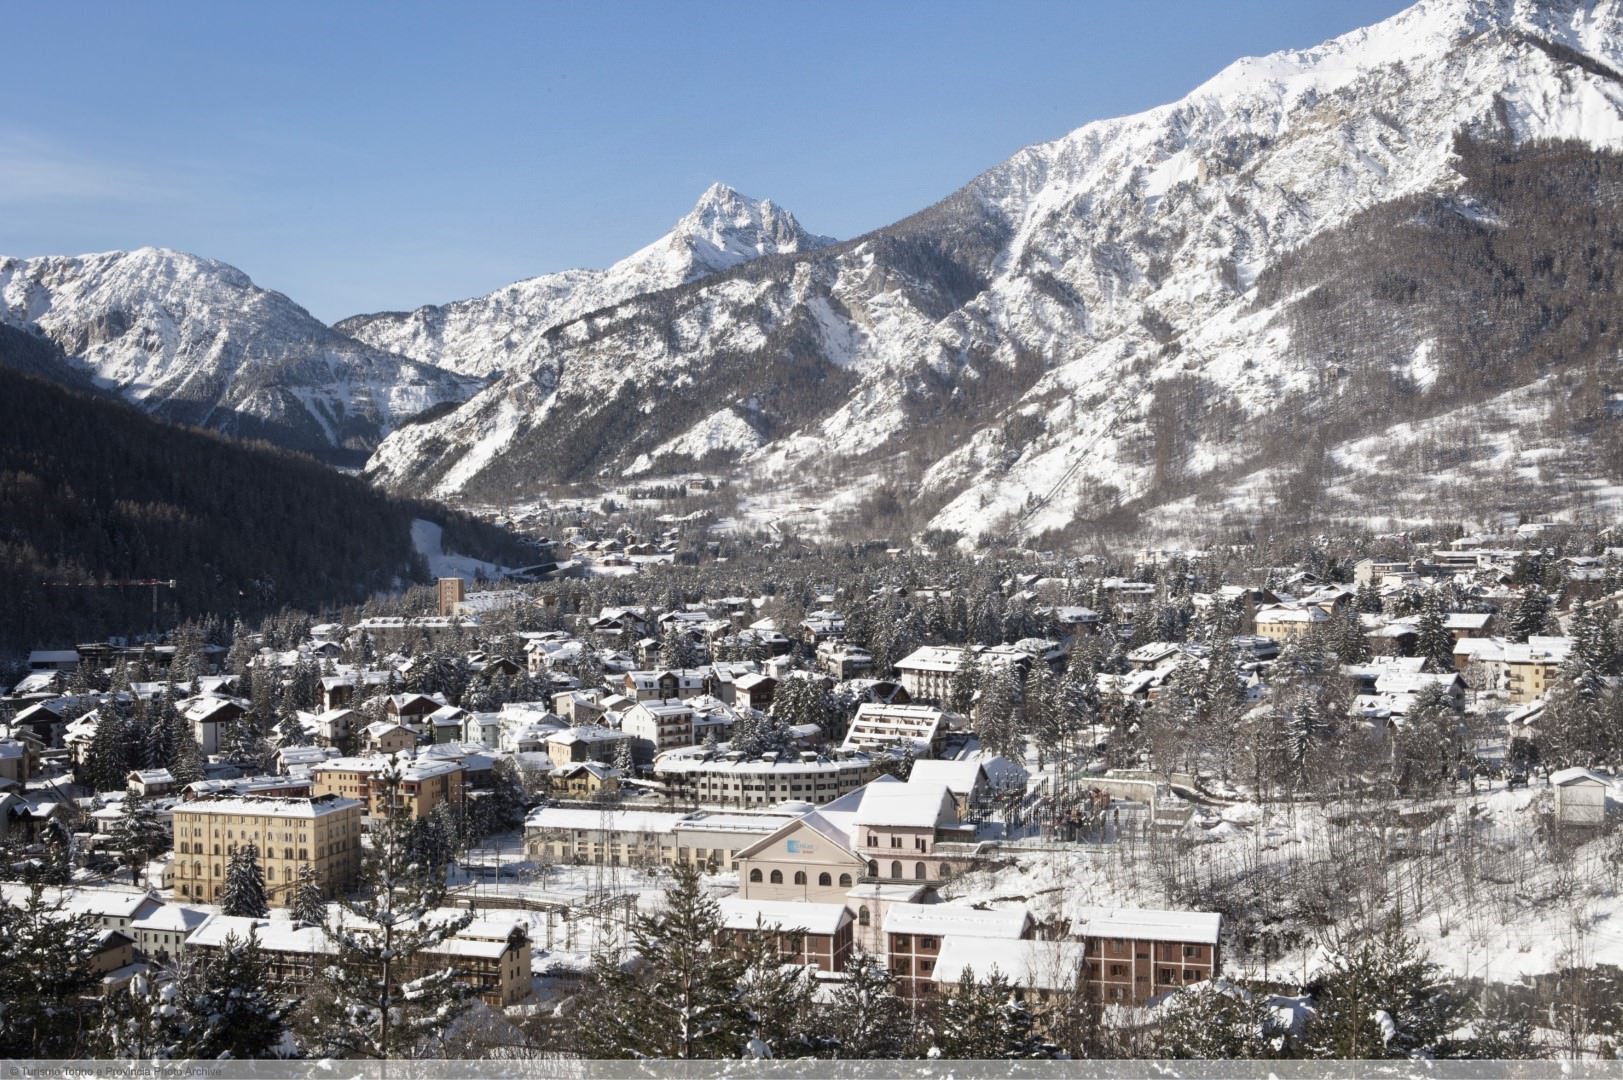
{"x":927,"y":943}
{"x":800,"y":877}
{"x":862,"y":915}
{"x":896,"y":841}
{"x":825,"y":880}
{"x":755,"y":877}
{"x":873,"y":868}
{"x":896,"y":870}
{"x":777,"y":877}
{"x":845,"y":881}
{"x":946,"y":868}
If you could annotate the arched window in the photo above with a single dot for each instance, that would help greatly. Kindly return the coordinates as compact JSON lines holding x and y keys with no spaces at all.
{"x":862,"y":915}
{"x":946,"y":868}
{"x":755,"y":876}
{"x":824,"y":880}
{"x":873,"y":868}
{"x":800,"y":877}
{"x":845,"y":881}
{"x":777,"y":877}
{"x":919,"y":871}
{"x":896,"y":870}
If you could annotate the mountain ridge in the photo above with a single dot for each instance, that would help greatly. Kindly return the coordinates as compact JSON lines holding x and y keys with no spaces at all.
{"x":485,"y":334}
{"x":194,"y":340}
{"x":1047,"y":292}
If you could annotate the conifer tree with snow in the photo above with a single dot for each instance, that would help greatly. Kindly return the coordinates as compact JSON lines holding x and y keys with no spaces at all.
{"x":998,"y":719}
{"x":137,"y":1021}
{"x":865,"y":1017}
{"x":372,"y":1002}
{"x":965,"y":683}
{"x":107,"y":765}
{"x":307,"y":905}
{"x":1433,"y":642}
{"x":1530,"y":616}
{"x":225,"y":1006}
{"x":47,"y":978}
{"x":1580,"y":725}
{"x":676,"y":995}
{"x":622,"y":758}
{"x":1431,"y":742}
{"x":1216,"y":1020}
{"x":1384,"y":998}
{"x":244,"y":892}
{"x":981,"y":1019}
{"x":138,"y":835}
{"x":186,"y":759}
{"x":777,"y":998}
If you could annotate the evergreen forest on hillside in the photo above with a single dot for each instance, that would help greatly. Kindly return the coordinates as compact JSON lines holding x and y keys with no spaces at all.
{"x":92,"y":490}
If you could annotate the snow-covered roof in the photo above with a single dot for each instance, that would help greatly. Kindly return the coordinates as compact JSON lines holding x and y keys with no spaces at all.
{"x":1038,"y":965}
{"x":824,"y":919}
{"x":1147,"y":924}
{"x":921,"y":805}
{"x":172,"y":917}
{"x":960,"y":777}
{"x":943,"y":920}
{"x":574,"y":818}
{"x":264,"y":805}
{"x":1578,"y":775}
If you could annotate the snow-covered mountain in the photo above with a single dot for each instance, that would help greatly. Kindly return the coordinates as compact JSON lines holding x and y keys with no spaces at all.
{"x":496,"y":332}
{"x":194,"y":340}
{"x":1081,"y":328}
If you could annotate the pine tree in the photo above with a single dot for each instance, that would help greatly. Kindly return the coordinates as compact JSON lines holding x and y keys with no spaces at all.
{"x":1384,"y":999}
{"x":1431,"y":742}
{"x":622,"y":758}
{"x":1579,"y":722}
{"x":372,"y":1011}
{"x":1367,"y":601}
{"x":307,"y":906}
{"x":1216,"y":1021}
{"x":186,"y":760}
{"x":225,"y":1007}
{"x":46,"y":979}
{"x":997,"y":719}
{"x":137,"y":1021}
{"x":107,"y":765}
{"x":866,"y":1019}
{"x":965,"y":684}
{"x":1433,"y":642}
{"x":981,"y":1020}
{"x":681,"y":1000}
{"x":1529,"y":616}
{"x":244,"y":892}
{"x":776,"y":997}
{"x":139,"y":836}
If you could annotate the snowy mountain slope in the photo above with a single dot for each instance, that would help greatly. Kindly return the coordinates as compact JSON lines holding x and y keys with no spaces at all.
{"x":1077,"y":329}
{"x":498,"y":332}
{"x":194,"y":340}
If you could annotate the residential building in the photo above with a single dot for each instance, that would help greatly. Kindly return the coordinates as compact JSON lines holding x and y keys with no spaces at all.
{"x":491,"y":955}
{"x":922,"y":728}
{"x":425,"y":783}
{"x":1133,"y":955}
{"x":323,"y":833}
{"x":813,"y":935}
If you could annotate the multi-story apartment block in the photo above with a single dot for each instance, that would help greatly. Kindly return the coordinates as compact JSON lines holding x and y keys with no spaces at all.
{"x":323,"y":833}
{"x":1132,"y":955}
{"x":425,"y":783}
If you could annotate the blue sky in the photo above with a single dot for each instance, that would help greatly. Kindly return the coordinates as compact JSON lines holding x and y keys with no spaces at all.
{"x":369,"y":156}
